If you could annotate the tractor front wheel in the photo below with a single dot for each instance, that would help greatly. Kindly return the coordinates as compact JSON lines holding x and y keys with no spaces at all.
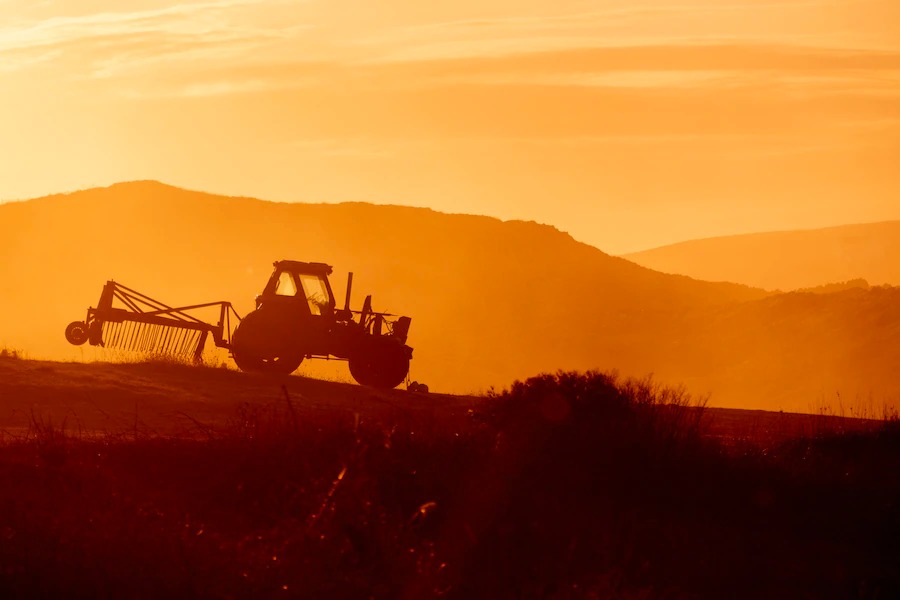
{"x":382,"y":366}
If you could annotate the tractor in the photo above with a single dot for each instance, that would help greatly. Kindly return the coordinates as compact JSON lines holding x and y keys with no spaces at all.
{"x":296,"y":317}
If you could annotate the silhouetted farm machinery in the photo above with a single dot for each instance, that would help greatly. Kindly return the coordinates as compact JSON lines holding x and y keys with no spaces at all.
{"x":295,"y":318}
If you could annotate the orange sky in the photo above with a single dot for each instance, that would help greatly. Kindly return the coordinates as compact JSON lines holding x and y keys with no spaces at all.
{"x":628,"y":123}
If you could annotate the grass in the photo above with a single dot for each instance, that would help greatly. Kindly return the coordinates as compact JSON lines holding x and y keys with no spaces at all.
{"x":863,"y":409}
{"x":565,"y":485}
{"x":10,"y":354}
{"x":209,"y":359}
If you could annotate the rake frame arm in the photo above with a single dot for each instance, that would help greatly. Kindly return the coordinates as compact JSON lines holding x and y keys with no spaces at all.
{"x":142,"y":309}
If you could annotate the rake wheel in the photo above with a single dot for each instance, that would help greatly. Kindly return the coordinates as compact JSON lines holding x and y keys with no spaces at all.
{"x":77,"y":333}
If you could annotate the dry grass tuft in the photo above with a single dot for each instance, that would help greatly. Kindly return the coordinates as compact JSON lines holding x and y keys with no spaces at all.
{"x":10,"y":354}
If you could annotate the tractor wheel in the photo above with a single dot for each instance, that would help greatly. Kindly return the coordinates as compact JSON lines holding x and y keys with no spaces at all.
{"x":382,"y":366}
{"x":362,"y":368}
{"x":264,"y":347}
{"x":77,"y":332}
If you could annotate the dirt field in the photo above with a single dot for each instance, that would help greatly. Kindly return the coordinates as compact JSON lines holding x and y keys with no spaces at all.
{"x":166,"y":399}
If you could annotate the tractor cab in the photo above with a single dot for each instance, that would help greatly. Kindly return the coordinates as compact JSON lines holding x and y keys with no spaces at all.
{"x":302,"y":286}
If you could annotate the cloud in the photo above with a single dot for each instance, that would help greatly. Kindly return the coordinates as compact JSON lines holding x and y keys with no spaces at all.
{"x":108,"y":42}
{"x":766,"y":69}
{"x":384,"y":106}
{"x":179,"y":18}
{"x":207,"y":51}
{"x":285,"y":31}
{"x":647,"y":22}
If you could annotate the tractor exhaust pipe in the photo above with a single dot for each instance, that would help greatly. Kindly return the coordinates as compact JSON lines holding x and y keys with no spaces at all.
{"x":349,"y":287}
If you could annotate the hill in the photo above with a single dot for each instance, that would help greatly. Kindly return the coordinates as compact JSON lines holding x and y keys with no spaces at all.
{"x":787,"y":260}
{"x":491,"y":301}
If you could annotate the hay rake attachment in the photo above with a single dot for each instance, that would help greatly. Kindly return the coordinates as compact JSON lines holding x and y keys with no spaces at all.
{"x":131,"y":321}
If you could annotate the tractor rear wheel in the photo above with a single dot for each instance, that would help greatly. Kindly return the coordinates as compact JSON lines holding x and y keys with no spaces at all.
{"x":382,"y":366}
{"x":264,"y":347}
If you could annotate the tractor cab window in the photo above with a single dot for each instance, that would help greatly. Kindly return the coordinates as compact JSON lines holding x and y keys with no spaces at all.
{"x":316,"y":292}
{"x":285,"y":285}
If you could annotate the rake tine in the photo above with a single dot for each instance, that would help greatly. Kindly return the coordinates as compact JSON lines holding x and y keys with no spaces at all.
{"x":157,"y":332}
{"x":186,"y":341}
{"x":190,"y":345}
{"x":167,"y":339}
{"x":179,"y":342}
{"x":184,"y":338}
{"x":176,"y":333}
{"x":196,"y":348}
{"x":142,"y":340}
{"x":136,"y":335}
{"x":129,"y":336}
{"x":201,"y":343}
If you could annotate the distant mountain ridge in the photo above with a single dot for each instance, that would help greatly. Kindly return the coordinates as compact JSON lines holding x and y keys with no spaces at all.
{"x":491,"y":301}
{"x":786,"y":260}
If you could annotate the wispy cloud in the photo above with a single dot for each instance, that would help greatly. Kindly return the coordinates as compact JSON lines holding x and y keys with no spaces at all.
{"x":604,"y":85}
{"x":179,"y":18}
{"x":104,"y":43}
{"x":645,"y":22}
{"x":285,"y":31}
{"x":770,"y":69}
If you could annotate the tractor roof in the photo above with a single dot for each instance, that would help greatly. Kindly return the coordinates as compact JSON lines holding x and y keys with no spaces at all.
{"x":314,"y":268}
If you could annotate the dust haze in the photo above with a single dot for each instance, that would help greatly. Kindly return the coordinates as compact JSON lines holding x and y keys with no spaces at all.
{"x":491,"y":301}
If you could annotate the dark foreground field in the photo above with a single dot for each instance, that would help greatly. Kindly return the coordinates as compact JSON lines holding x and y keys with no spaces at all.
{"x":145,"y":480}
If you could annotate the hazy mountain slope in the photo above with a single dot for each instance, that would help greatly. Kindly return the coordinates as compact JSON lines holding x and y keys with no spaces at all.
{"x":490,"y":301}
{"x":787,"y":260}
